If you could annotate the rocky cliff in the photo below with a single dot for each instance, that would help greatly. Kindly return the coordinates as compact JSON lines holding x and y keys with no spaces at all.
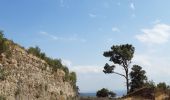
{"x":27,"y":77}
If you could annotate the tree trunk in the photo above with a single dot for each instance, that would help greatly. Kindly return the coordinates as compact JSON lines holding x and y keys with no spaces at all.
{"x":127,"y":81}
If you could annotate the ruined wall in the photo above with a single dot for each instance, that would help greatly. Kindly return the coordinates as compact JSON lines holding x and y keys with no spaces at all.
{"x":30,"y":78}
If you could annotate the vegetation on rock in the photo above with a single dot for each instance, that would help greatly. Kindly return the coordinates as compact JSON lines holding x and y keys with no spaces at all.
{"x":3,"y":43}
{"x":2,"y":74}
{"x":150,"y":84}
{"x":2,"y":97}
{"x":7,"y":52}
{"x":163,"y":86}
{"x":54,"y":63}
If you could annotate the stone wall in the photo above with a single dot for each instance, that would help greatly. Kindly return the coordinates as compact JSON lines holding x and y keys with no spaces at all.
{"x":30,"y":78}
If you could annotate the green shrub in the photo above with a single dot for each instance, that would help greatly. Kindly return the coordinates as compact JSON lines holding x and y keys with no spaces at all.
{"x":105,"y":93}
{"x":2,"y":74}
{"x":163,"y":86}
{"x":61,"y":92}
{"x":2,"y":97}
{"x":102,"y":93}
{"x":35,"y":51}
{"x":3,"y":43}
{"x":73,"y":77}
{"x":8,"y":54}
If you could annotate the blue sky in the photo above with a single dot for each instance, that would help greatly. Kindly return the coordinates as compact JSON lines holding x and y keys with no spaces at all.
{"x":79,"y":31}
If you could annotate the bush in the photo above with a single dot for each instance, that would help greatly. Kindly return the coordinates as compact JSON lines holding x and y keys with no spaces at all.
{"x":3,"y":43}
{"x":150,"y":84}
{"x":35,"y":51}
{"x":102,"y":93}
{"x":73,"y":77}
{"x":2,"y":74}
{"x":162,"y":86}
{"x":105,"y":93}
{"x":2,"y":97}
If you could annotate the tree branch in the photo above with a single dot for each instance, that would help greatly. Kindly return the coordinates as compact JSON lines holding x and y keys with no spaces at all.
{"x":120,"y":74}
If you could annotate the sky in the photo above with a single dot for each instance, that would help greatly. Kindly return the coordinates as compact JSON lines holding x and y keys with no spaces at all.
{"x":79,"y":31}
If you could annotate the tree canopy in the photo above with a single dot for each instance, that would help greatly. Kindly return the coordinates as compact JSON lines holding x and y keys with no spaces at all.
{"x":120,"y":55}
{"x":138,"y":77}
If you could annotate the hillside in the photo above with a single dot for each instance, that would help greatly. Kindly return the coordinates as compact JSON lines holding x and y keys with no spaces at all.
{"x":24,"y":76}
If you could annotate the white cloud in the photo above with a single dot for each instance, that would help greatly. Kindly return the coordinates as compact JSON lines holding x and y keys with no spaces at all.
{"x":142,"y":60}
{"x":50,"y":35}
{"x":159,"y":34}
{"x":57,"y":38}
{"x":91,"y":15}
{"x":84,"y":69}
{"x":132,"y":6}
{"x":115,"y":29}
{"x":67,"y":63}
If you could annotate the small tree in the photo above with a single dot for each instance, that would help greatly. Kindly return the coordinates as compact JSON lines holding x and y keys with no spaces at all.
{"x":138,"y":78}
{"x":121,"y":55}
{"x":102,"y":93}
{"x":162,"y":86}
{"x":150,"y":84}
{"x":105,"y":93}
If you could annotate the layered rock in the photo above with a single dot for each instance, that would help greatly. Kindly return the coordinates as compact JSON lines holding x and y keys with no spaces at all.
{"x":27,"y":77}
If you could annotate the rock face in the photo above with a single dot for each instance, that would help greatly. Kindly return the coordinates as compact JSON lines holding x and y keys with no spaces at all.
{"x":27,"y":77}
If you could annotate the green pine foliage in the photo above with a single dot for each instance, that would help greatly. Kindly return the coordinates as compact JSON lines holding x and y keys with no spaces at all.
{"x":138,"y":78}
